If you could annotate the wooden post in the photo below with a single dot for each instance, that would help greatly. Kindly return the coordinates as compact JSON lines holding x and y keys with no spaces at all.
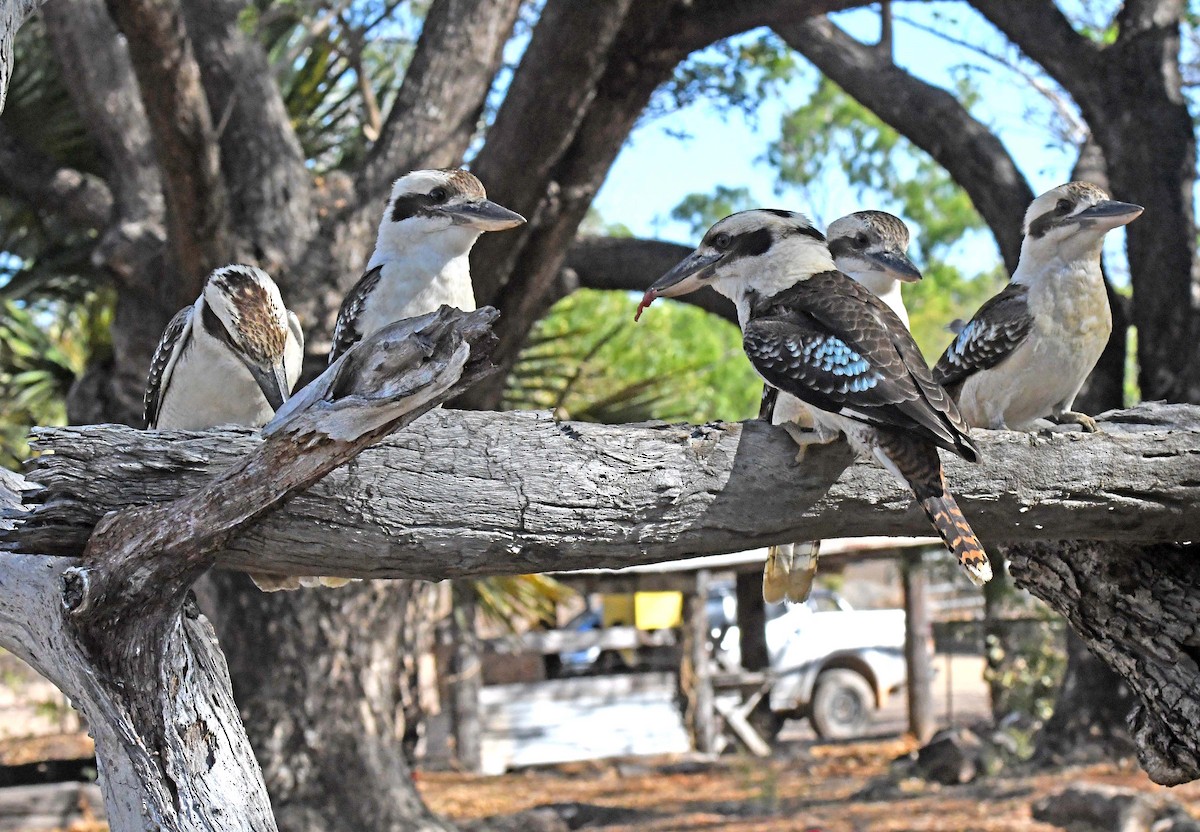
{"x":752,"y":621}
{"x":917,"y":636}
{"x":467,"y":680}
{"x":696,"y":673}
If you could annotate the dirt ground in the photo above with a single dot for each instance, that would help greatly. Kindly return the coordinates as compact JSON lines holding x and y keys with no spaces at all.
{"x":806,"y":787}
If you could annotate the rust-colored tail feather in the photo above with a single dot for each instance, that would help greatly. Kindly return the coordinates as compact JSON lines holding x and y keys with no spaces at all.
{"x":956,"y":533}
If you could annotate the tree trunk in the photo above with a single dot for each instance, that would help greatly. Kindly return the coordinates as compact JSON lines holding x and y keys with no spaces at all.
{"x":1136,"y":607}
{"x":326,"y":682}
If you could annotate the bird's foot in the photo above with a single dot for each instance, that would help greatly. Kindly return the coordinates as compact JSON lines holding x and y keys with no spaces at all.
{"x":1071,"y":417}
{"x":803,"y":437}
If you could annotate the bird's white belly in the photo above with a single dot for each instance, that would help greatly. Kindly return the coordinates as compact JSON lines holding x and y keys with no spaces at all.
{"x":1044,"y":374}
{"x":400,"y":296}
{"x":210,"y":387}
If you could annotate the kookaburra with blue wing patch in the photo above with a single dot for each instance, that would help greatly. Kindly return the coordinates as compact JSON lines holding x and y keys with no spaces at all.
{"x":814,"y":333}
{"x":872,"y":248}
{"x":231,"y":358}
{"x":422,"y":253}
{"x":1027,"y":352}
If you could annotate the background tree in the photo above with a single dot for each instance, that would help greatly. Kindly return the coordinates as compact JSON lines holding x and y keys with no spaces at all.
{"x":204,"y":131}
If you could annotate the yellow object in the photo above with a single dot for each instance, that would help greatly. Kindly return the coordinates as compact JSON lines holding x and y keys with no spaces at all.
{"x":644,"y":610}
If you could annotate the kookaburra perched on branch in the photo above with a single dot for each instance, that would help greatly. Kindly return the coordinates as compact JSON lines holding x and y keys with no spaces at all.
{"x":421,"y":258}
{"x":1028,"y":350}
{"x":814,"y":333}
{"x":872,"y":248}
{"x":231,"y":358}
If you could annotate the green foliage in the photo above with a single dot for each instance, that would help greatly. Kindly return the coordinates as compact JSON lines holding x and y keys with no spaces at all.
{"x":700,"y":211}
{"x":44,"y":347}
{"x":588,"y":361}
{"x":735,"y":73}
{"x":1031,"y":672}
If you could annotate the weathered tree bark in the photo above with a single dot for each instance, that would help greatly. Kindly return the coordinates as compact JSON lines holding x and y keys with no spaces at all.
{"x":115,"y":632}
{"x":548,"y":496}
{"x":929,"y":117}
{"x":1135,"y":607}
{"x":1131,"y":96}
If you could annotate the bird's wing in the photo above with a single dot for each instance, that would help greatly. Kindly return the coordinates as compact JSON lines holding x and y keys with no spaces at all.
{"x":998,"y":328}
{"x":346,"y":334}
{"x":175,"y":339}
{"x":834,"y":345}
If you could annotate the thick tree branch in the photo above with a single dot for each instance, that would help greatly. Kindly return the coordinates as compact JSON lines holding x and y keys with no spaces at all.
{"x":95,"y":64}
{"x":1044,"y":34}
{"x":439,"y":104}
{"x":930,"y":117}
{"x":270,"y":187}
{"x":184,"y":137}
{"x":81,"y":199}
{"x":463,"y":493}
{"x":515,"y":145}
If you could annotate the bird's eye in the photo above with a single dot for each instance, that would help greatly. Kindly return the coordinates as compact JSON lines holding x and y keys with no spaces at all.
{"x":1064,"y":205}
{"x":438,"y":194}
{"x":721,"y":241}
{"x":860,"y":239}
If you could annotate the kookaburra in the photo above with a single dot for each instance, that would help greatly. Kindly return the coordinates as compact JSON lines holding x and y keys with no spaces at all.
{"x":872,"y":248}
{"x":231,"y":358}
{"x":1028,"y":350}
{"x":421,"y":258}
{"x":814,"y":333}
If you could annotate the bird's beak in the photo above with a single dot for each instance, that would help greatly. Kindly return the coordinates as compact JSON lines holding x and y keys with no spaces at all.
{"x":895,"y":264}
{"x":687,"y":276}
{"x":1109,"y":214}
{"x":484,"y":215}
{"x":273,"y":383}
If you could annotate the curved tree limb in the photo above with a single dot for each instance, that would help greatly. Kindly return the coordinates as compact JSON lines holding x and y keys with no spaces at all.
{"x":196,"y":199}
{"x":270,"y":187}
{"x":930,"y":117}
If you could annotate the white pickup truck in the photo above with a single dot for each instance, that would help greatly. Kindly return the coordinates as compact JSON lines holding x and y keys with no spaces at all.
{"x":832,"y":663}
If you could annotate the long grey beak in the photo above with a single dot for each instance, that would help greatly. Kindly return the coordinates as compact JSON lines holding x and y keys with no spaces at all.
{"x":272,"y":382}
{"x":1110,"y":214}
{"x":895,"y":264}
{"x":688,"y":275}
{"x":484,"y":215}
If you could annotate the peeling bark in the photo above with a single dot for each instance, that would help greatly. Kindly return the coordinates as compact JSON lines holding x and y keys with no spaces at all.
{"x":12,"y":15}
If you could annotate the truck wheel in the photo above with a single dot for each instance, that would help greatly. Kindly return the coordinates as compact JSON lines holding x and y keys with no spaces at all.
{"x":841,"y":705}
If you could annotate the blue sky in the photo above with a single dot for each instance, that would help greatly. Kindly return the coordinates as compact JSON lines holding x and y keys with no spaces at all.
{"x":657,"y":169}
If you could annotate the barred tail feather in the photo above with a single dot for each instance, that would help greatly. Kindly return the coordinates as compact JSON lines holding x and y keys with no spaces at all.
{"x":775,"y":573}
{"x":285,"y":583}
{"x":789,"y":571}
{"x":956,"y":533}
